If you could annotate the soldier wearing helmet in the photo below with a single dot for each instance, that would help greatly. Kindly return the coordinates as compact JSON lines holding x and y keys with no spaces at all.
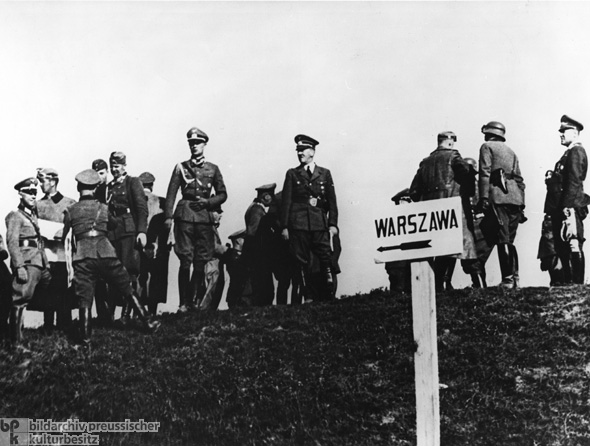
{"x":443,"y":174}
{"x":501,"y":191}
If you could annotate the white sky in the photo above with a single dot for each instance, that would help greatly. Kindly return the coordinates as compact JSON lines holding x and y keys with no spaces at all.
{"x":374,"y":82}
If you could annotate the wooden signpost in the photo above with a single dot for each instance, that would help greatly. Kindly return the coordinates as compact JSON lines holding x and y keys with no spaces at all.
{"x":418,"y":231}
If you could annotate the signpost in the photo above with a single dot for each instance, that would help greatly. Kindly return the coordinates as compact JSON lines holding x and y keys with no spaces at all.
{"x":418,"y":231}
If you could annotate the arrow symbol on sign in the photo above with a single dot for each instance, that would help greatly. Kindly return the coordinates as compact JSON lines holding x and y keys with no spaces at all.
{"x":407,"y":246}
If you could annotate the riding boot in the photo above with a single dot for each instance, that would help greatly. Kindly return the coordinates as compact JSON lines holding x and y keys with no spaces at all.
{"x":448,"y":273}
{"x":478,"y":280}
{"x":439,"y":267}
{"x":49,"y":321}
{"x":16,"y":326}
{"x":198,"y":290}
{"x":85,"y":316}
{"x":304,"y":292}
{"x":514,"y":255}
{"x":506,"y":265}
{"x":149,"y":323}
{"x":578,"y":267}
{"x":329,"y":285}
{"x":125,"y":315}
{"x":184,"y":285}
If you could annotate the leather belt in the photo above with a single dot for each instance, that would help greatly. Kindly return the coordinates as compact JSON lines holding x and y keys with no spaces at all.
{"x":28,"y":243}
{"x":118,"y":212}
{"x":90,"y":234}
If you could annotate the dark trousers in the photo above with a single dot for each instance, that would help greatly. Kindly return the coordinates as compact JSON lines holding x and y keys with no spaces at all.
{"x":303,"y":243}
{"x":572,"y":261}
{"x":88,"y":271}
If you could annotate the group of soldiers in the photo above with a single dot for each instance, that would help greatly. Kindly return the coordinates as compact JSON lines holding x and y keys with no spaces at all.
{"x":111,"y":247}
{"x":493,"y":203}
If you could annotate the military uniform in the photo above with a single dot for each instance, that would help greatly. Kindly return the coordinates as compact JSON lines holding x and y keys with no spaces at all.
{"x":309,"y":208}
{"x":565,"y":194}
{"x":501,"y":191}
{"x":25,"y":246}
{"x":203,"y":189}
{"x":153,"y":278}
{"x":57,"y":297}
{"x":258,"y":247}
{"x":94,"y":256}
{"x":237,"y":292}
{"x":5,"y":293}
{"x":441,"y":175}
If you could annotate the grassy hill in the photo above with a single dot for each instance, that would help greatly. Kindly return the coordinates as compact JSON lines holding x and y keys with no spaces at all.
{"x":515,"y":368}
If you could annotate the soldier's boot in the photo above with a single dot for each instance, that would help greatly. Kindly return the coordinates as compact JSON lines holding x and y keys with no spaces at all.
{"x":329,"y":278}
{"x":514,"y":255}
{"x":198,"y":289}
{"x":184,"y":286}
{"x":578,"y":267}
{"x":85,"y":317}
{"x":506,"y":265}
{"x":150,"y":324}
{"x":48,"y":321}
{"x":16,"y":326}
{"x":304,"y":292}
{"x":448,"y":273}
{"x":125,"y":318}
{"x":478,"y":280}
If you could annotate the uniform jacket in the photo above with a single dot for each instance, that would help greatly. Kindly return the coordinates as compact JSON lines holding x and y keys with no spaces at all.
{"x":439,"y":176}
{"x":52,"y":209}
{"x":494,"y":155}
{"x":194,"y":182}
{"x":565,"y":188}
{"x":85,"y":216}
{"x":128,"y":208}
{"x":157,"y":234}
{"x":298,"y":195}
{"x":22,"y":225}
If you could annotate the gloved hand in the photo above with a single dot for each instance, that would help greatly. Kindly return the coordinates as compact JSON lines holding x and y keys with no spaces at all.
{"x":141,"y":239}
{"x":168,"y":223}
{"x":21,"y":275}
{"x":568,"y":226}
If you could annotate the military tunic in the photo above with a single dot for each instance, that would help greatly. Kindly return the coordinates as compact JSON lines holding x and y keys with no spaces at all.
{"x":193,"y":228}
{"x":94,"y":256}
{"x":128,"y":208}
{"x":308,"y":209}
{"x":56,"y":296}
{"x":25,"y":246}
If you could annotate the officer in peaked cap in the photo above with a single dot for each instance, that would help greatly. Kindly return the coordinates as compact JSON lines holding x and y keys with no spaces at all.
{"x":94,"y":257}
{"x":129,"y":212}
{"x":258,"y":245}
{"x":203,"y":191}
{"x":88,"y":177}
{"x":102,"y":168}
{"x":27,"y":258}
{"x":309,"y":214}
{"x":57,"y":300}
{"x":153,"y":276}
{"x":501,"y":198}
{"x":566,"y":203}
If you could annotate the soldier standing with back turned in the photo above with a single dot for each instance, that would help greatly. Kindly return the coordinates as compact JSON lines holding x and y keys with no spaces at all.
{"x":203,"y":190}
{"x":501,"y":192}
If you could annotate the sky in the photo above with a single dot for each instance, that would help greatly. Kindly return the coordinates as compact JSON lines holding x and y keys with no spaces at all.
{"x":373,"y":82}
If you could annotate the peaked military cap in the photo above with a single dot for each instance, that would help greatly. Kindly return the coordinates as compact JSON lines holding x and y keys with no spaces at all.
{"x":118,"y":158}
{"x":267,"y":187}
{"x":47,"y":172}
{"x":147,"y":178}
{"x":88,"y":177}
{"x":26,"y":184}
{"x":305,"y":141}
{"x":570,"y":123}
{"x":442,"y":136}
{"x":196,"y":134}
{"x":238,"y":234}
{"x":99,"y":164}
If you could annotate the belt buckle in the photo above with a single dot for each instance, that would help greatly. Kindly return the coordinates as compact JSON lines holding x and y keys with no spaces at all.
{"x":93,"y":233}
{"x":313,"y":201}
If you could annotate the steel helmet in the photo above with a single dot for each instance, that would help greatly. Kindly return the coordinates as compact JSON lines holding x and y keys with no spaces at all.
{"x":494,"y":128}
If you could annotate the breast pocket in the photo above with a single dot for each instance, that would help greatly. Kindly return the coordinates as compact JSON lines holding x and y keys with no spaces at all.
{"x":128,"y":223}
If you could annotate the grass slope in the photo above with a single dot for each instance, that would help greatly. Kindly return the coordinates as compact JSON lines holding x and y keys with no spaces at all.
{"x":516,"y":365}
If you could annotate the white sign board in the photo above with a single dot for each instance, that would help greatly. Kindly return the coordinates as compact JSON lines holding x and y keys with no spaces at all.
{"x":418,"y":230}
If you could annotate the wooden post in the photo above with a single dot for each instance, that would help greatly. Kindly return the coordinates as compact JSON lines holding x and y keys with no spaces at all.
{"x":426,"y":356}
